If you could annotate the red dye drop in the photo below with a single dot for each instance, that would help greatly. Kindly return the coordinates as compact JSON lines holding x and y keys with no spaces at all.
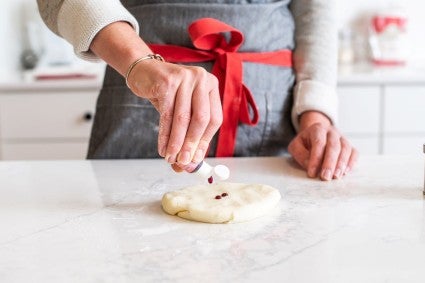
{"x":217,"y":197}
{"x":224,"y":194}
{"x":210,"y":180}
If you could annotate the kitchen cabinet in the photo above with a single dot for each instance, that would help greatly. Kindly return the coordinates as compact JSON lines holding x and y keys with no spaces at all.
{"x":359,"y":116}
{"x":381,"y":111}
{"x":46,"y":120}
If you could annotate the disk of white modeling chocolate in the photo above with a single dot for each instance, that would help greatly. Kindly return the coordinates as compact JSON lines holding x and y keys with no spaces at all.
{"x":222,"y":172}
{"x":205,"y":171}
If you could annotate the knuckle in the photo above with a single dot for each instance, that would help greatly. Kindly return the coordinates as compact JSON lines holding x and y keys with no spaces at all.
{"x":319,"y":142}
{"x":201,"y":117}
{"x":334,"y":145}
{"x":163,"y":137}
{"x":345,"y":148}
{"x":345,"y":143}
{"x":317,"y":127}
{"x":173,"y":147}
{"x":216,"y":121}
{"x":213,"y":79}
{"x":203,"y":143}
{"x":183,"y":117}
{"x":189,"y":144}
{"x":199,"y":71}
{"x":163,"y":79}
{"x":166,"y":117}
{"x":184,"y":72}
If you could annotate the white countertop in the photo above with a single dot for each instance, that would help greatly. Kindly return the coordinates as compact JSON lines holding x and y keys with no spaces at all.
{"x":369,"y":74}
{"x":18,"y":85}
{"x":26,"y":80}
{"x":101,"y":221}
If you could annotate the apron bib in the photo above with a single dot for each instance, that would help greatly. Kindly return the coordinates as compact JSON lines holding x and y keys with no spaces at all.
{"x":126,"y":126}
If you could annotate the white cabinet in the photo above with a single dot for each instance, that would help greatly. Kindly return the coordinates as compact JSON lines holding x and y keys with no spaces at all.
{"x":46,"y":123}
{"x":383,"y":118}
{"x":359,"y":116}
{"x":404,"y":119}
{"x":404,"y":110}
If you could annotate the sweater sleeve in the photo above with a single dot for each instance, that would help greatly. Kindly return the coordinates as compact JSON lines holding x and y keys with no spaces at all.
{"x":78,"y":21}
{"x":315,"y":58}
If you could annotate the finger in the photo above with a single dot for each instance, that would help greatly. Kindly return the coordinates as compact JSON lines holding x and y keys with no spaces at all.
{"x":181,"y":118}
{"x":343,"y":158}
{"x":318,"y":144}
{"x":216,"y":118}
{"x":330,"y":158}
{"x":163,"y":100}
{"x":176,"y":168}
{"x":352,"y":161}
{"x":165,"y":122}
{"x":299,"y":152}
{"x":164,"y":127}
{"x":199,"y":119}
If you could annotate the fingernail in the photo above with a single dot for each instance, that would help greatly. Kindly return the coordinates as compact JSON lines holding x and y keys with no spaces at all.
{"x":326,"y":174}
{"x":199,"y":155}
{"x":347,"y":170}
{"x":337,"y":173}
{"x":162,"y":151}
{"x":170,"y":158}
{"x":184,"y":158}
{"x":312,"y":172}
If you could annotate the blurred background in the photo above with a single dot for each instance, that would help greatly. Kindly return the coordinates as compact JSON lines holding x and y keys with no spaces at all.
{"x":47,"y":95}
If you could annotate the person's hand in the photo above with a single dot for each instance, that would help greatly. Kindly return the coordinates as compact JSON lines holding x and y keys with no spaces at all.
{"x":187,"y":98}
{"x":320,"y":149}
{"x":188,"y":101}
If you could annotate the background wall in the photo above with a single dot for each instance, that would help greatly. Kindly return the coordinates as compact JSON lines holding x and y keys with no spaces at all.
{"x":355,"y":15}
{"x":10,"y":36}
{"x":351,"y":14}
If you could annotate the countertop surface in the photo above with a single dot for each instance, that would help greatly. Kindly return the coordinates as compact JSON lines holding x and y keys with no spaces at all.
{"x":101,"y":221}
{"x":385,"y":75}
{"x":18,"y":85}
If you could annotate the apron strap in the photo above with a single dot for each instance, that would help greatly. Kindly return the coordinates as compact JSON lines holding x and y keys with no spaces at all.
{"x":207,"y":35}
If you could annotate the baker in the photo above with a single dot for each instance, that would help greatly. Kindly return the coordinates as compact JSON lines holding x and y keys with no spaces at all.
{"x":189,"y":79}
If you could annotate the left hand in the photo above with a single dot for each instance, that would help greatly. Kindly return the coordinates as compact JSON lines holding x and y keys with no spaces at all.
{"x":320,"y":149}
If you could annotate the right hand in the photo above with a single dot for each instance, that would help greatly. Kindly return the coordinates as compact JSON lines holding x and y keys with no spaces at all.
{"x":188,"y":101}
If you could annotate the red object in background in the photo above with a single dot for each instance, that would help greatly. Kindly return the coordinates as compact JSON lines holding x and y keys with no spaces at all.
{"x":380,"y":23}
{"x":64,"y":77}
{"x":388,"y":38}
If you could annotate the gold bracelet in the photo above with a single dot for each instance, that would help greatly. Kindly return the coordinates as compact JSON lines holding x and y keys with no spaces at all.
{"x":150,"y":56}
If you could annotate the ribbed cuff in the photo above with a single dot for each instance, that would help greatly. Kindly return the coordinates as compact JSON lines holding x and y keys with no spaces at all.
{"x":80,"y":20}
{"x":314,"y":96}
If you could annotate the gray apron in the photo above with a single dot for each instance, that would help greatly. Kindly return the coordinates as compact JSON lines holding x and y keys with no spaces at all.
{"x":126,"y":126}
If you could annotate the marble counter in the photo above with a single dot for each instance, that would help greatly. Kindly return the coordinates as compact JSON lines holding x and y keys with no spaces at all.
{"x":101,"y":221}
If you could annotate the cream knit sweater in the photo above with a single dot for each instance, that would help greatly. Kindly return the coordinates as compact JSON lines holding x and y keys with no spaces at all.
{"x":315,"y":55}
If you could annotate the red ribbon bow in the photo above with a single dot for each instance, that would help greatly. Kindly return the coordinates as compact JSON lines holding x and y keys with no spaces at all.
{"x":207,"y":36}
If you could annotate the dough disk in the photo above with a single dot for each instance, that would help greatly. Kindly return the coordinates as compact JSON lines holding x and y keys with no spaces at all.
{"x":242,"y":203}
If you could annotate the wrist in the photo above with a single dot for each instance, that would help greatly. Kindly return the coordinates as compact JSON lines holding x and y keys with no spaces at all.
{"x":310,"y":118}
{"x":133,"y":65}
{"x":119,"y":45}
